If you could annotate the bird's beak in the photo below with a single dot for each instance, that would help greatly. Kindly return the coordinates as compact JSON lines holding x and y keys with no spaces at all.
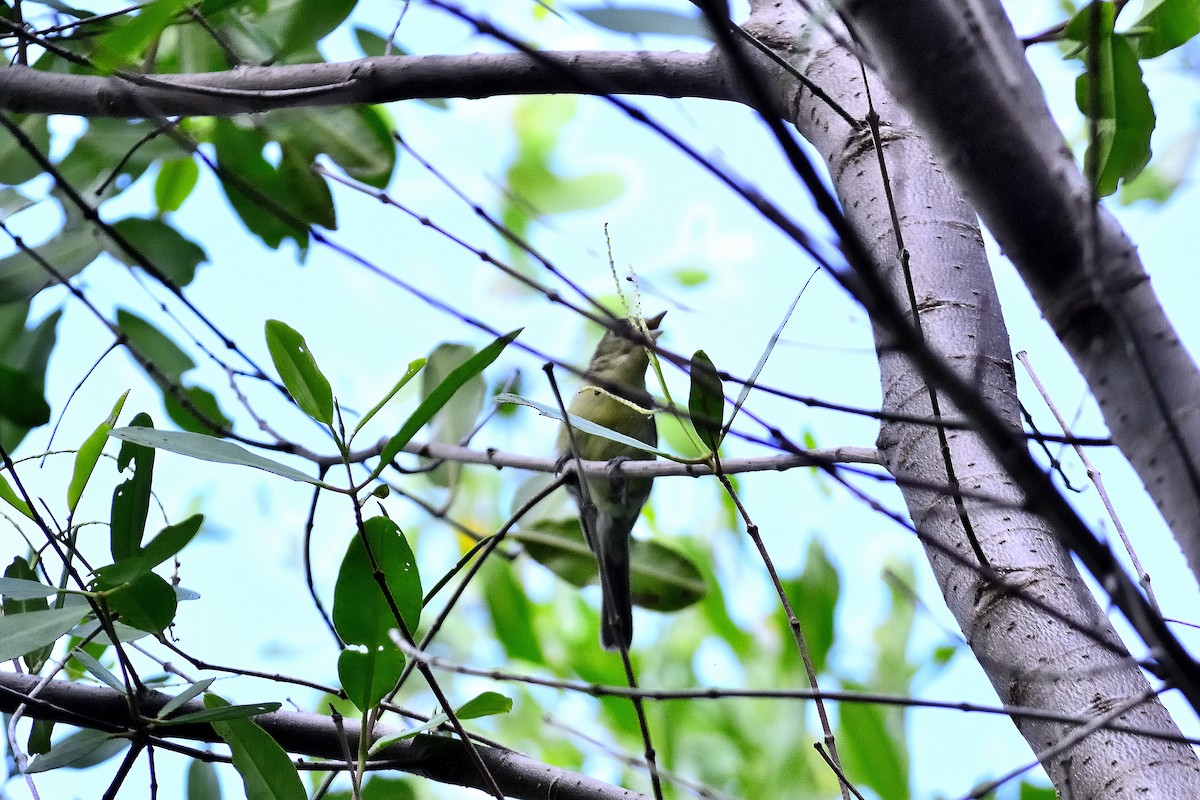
{"x":652,"y":324}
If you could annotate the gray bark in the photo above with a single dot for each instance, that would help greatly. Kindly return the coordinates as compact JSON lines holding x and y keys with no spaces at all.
{"x":1069,"y":660}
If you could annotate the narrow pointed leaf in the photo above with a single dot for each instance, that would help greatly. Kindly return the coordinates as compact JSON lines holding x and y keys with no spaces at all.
{"x":299,"y":371}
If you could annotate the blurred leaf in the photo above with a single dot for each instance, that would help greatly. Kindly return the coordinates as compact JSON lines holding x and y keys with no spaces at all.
{"x":690,"y":277}
{"x":511,"y":612}
{"x":647,"y":21}
{"x":309,"y":21}
{"x":1165,"y":25}
{"x":127,"y":41}
{"x":16,"y":165}
{"x":166,"y":248}
{"x":259,"y":186}
{"x":89,"y":454}
{"x":68,"y":251}
{"x":456,"y":418}
{"x":201,"y":781}
{"x":267,"y":771}
{"x":298,"y":368}
{"x":442,"y":394}
{"x":706,"y":400}
{"x":201,"y":401}
{"x":175,"y":182}
{"x":1165,"y":174}
{"x":357,"y":138}
{"x":661,"y":577}
{"x":814,"y":595}
{"x":150,"y":344}
{"x":870,"y":754}
{"x":12,"y":202}
{"x":110,"y":156}
{"x":206,"y":448}
{"x":23,"y":400}
{"x":79,"y":750}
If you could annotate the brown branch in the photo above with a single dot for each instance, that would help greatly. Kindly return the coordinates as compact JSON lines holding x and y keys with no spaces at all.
{"x":438,"y":758}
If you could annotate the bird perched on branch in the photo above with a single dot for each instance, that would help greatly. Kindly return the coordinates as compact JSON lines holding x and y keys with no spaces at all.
{"x":614,"y":389}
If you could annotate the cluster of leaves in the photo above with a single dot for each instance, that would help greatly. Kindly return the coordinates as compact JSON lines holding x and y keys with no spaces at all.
{"x":1111,"y":92}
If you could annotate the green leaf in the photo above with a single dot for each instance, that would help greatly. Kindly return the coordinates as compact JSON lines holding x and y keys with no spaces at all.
{"x":485,"y":704}
{"x":176,"y":180}
{"x":457,"y":417}
{"x":24,"y":594}
{"x":201,"y":781}
{"x":131,"y":499}
{"x":1121,"y":109}
{"x":148,"y":343}
{"x":240,"y":152}
{"x":301,"y":376}
{"x":661,"y":577}
{"x":309,"y":21}
{"x":706,"y":400}
{"x":206,"y":448}
{"x":361,"y":613}
{"x":9,"y":495}
{"x":414,"y":367}
{"x":367,"y":676}
{"x":201,"y":402}
{"x":89,"y":454}
{"x":267,"y":772}
{"x":127,"y":41}
{"x":814,"y":595}
{"x":20,"y":584}
{"x":12,"y":202}
{"x":98,"y":670}
{"x":81,"y":749}
{"x":442,"y":394}
{"x":357,"y":138}
{"x":147,"y":602}
{"x":70,"y":250}
{"x":24,"y":403}
{"x":171,"y":252}
{"x":511,"y":612}
{"x":871,"y":755}
{"x":25,"y":633}
{"x":16,"y":165}
{"x":1165,"y":25}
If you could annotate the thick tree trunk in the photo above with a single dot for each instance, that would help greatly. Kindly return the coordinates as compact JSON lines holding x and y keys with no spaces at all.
{"x":1070,"y":659}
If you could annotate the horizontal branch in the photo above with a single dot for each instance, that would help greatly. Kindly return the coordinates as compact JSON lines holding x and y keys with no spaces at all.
{"x":654,"y":469}
{"x":439,"y":758}
{"x":381,"y":79}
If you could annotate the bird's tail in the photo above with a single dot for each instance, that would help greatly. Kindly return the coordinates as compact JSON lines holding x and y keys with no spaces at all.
{"x":616,"y":605}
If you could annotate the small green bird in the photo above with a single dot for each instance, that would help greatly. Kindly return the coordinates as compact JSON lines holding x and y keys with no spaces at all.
{"x":613,"y":501}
